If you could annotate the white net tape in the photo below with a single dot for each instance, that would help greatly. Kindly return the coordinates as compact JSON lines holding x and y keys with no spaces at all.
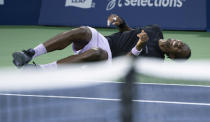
{"x":79,"y":74}
{"x":198,"y":70}
{"x":67,"y":76}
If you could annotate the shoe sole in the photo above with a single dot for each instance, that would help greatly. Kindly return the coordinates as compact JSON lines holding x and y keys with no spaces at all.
{"x":18,"y":59}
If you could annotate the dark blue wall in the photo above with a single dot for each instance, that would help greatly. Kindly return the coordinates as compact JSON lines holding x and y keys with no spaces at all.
{"x":184,"y":15}
{"x":208,"y":15}
{"x":20,"y":12}
{"x":192,"y":16}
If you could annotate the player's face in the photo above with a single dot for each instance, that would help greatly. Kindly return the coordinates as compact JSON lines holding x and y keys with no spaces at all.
{"x":175,"y":49}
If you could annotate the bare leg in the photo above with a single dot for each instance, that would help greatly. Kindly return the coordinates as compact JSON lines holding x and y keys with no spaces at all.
{"x":94,"y":54}
{"x":80,"y":36}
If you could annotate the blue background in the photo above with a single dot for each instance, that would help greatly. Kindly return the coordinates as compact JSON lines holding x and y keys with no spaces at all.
{"x":208,"y":15}
{"x":20,"y":12}
{"x":192,"y":16}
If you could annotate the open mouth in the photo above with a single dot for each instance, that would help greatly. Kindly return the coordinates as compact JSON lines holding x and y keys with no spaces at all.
{"x":173,"y":43}
{"x":177,"y":43}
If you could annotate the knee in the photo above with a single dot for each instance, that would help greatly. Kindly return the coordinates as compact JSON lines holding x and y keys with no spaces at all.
{"x":85,"y":33}
{"x":80,"y":33}
{"x":99,"y":54}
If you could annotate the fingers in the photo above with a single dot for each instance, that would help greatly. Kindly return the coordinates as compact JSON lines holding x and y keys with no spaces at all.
{"x":115,"y":23}
{"x":143,"y":36}
{"x":108,"y":22}
{"x":113,"y":19}
{"x":138,"y":35}
{"x":142,"y":33}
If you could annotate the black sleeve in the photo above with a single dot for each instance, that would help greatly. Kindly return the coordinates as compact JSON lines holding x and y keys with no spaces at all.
{"x":113,"y":37}
{"x":152,"y":47}
{"x":114,"y":42}
{"x":122,"y":43}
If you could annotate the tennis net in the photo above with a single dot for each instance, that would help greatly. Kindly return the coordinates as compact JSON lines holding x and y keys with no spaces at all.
{"x":80,"y":92}
{"x":173,"y":91}
{"x":165,"y":92}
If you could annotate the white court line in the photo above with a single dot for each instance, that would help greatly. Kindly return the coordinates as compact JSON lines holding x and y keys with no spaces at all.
{"x":163,"y":84}
{"x":59,"y":97}
{"x":105,"y":99}
{"x":172,"y":102}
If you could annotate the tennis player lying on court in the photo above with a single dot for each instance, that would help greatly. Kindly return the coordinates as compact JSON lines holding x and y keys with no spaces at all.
{"x":89,"y":45}
{"x":153,"y":45}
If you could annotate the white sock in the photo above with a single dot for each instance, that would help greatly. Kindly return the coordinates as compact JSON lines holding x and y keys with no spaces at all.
{"x":52,"y":65}
{"x":39,"y":50}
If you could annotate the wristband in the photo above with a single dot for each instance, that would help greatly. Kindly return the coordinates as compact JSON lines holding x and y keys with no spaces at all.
{"x":135,"y":52}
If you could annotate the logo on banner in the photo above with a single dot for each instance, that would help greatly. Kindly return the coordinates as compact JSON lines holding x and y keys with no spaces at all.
{"x":1,"y":2}
{"x":144,"y":3}
{"x":80,"y":3}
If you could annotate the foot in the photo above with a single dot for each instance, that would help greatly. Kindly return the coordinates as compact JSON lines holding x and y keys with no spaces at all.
{"x":22,"y":58}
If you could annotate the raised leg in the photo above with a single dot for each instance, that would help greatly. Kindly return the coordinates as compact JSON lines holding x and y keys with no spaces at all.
{"x":80,"y":36}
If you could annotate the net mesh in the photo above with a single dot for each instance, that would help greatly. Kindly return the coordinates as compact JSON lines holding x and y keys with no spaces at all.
{"x":78,"y":104}
{"x":80,"y":92}
{"x":165,"y":92}
{"x":173,"y":91}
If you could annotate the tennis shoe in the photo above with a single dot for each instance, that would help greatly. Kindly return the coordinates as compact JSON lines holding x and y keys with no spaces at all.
{"x":22,"y":58}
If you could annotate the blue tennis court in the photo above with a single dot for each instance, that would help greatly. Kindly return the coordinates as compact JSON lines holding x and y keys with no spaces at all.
{"x":153,"y":102}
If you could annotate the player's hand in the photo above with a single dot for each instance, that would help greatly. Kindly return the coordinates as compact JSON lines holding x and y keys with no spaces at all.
{"x":114,"y":20}
{"x":143,"y":38}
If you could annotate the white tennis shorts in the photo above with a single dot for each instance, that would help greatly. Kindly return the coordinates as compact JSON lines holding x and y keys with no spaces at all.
{"x":97,"y":41}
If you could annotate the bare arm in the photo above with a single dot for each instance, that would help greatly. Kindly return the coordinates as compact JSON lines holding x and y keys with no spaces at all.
{"x":119,"y":22}
{"x":143,"y":38}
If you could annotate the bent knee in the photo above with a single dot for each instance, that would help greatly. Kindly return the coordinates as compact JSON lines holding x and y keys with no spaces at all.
{"x":98,"y":54}
{"x":79,"y":34}
{"x":102,"y":54}
{"x":85,"y":32}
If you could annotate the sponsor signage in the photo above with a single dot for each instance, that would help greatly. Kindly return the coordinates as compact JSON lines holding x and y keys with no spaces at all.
{"x":169,"y":14}
{"x":143,"y":3}
{"x":80,"y":3}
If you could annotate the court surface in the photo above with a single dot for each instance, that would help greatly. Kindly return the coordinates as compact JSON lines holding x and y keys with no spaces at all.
{"x":17,"y":38}
{"x":152,"y":103}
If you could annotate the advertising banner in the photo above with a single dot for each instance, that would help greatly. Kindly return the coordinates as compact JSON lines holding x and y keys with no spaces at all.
{"x":169,"y":14}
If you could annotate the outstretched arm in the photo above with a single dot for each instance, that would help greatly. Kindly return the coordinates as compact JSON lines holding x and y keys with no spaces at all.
{"x":119,"y":22}
{"x":143,"y":38}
